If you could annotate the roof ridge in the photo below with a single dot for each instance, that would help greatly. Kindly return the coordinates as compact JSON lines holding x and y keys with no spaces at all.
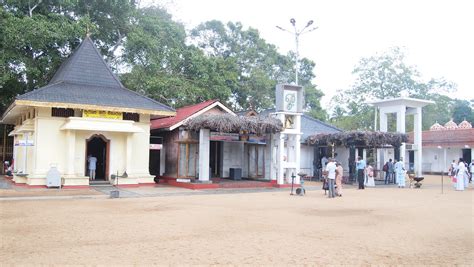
{"x":322,"y":122}
{"x":103,"y":60}
{"x":212,"y":101}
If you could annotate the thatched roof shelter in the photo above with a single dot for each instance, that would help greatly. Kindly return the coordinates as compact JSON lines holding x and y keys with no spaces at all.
{"x":358,"y":138}
{"x":227,"y":123}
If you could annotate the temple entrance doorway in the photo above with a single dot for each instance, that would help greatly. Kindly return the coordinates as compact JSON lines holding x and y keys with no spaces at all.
{"x":98,"y":146}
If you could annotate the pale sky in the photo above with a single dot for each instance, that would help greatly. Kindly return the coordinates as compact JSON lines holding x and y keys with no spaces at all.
{"x":438,"y":36}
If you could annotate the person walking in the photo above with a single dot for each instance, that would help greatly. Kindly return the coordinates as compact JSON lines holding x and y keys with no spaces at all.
{"x":460,"y":173}
{"x":400,"y":173}
{"x":339,"y":173}
{"x":370,"y":182}
{"x":453,"y":168}
{"x":466,"y":174}
{"x":331,"y":169}
{"x":360,"y":166}
{"x":92,"y":166}
{"x":323,"y":161}
{"x":471,"y":170}
{"x":394,"y":178}
{"x":391,"y":170}
{"x":388,"y":169}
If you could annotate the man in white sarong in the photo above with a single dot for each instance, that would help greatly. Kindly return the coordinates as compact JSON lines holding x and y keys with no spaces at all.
{"x":461,"y":170}
{"x":400,"y":173}
{"x":466,"y":175}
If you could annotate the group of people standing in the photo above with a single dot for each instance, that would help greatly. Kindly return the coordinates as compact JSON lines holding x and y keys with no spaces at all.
{"x":461,"y":173}
{"x":365,"y":173}
{"x":395,"y":172}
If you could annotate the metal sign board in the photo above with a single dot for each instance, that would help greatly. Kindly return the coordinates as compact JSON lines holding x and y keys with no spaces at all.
{"x":23,"y":142}
{"x":156,"y":146}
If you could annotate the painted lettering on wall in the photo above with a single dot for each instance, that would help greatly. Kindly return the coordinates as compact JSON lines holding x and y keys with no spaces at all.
{"x":102,"y":114}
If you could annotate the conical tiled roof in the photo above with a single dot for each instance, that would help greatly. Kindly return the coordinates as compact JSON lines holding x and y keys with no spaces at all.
{"x":437,"y":127}
{"x":450,"y":125}
{"x":86,"y":66}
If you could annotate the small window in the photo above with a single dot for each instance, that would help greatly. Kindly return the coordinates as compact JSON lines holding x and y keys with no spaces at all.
{"x":62,"y":112}
{"x":131,"y":116}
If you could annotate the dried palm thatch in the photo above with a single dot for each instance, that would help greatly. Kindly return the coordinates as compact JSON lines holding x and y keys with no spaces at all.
{"x":358,"y":138}
{"x":227,"y":123}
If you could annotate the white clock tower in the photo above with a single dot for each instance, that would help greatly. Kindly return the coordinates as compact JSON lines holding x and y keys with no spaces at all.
{"x":289,"y":108}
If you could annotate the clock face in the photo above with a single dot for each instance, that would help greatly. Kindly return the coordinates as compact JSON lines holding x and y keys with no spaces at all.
{"x":289,"y":100}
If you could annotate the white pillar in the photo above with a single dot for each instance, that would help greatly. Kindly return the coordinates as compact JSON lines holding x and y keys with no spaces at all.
{"x":162,"y":160}
{"x":297,"y":157}
{"x":401,"y":114}
{"x":444,"y":169}
{"x":71,"y":151}
{"x":280,"y":161}
{"x":269,"y":158}
{"x":383,"y":121}
{"x":25,"y":150}
{"x":417,"y":142}
{"x":401,"y":129}
{"x":382,"y":153}
{"x":128,"y":164}
{"x":204,"y":145}
{"x":375,"y":118}
{"x":15,"y":151}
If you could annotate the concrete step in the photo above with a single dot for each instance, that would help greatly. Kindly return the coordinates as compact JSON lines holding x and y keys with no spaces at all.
{"x":99,"y":183}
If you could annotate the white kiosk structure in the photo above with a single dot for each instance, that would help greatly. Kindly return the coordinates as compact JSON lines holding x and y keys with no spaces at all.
{"x":403,"y":106}
{"x":289,"y":108}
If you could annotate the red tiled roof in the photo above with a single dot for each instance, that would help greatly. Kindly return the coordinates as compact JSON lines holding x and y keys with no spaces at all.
{"x":181,"y":114}
{"x":452,"y":138}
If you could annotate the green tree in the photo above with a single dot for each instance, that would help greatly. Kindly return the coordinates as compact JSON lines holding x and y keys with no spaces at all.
{"x":386,"y":76}
{"x":462,"y":111}
{"x":258,"y":66}
{"x":154,"y":53}
{"x":38,"y":35}
{"x":163,"y":67}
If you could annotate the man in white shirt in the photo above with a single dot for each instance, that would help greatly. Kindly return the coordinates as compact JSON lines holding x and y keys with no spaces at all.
{"x":471,"y":170}
{"x":324,"y":161}
{"x":331,"y":169}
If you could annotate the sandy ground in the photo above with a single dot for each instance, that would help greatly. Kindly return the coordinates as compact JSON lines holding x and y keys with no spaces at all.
{"x":379,"y":226}
{"x":30,"y":192}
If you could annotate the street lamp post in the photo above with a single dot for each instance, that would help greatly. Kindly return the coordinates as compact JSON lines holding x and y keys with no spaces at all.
{"x":297,"y":35}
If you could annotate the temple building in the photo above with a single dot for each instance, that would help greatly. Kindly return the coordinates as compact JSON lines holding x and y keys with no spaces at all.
{"x":444,"y":143}
{"x":83,"y":111}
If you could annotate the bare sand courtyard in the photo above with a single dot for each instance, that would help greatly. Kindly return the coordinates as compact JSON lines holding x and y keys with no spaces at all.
{"x":378,"y":226}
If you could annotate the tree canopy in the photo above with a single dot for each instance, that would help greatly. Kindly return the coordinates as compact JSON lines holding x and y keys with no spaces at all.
{"x":386,"y":76}
{"x":152,"y":53}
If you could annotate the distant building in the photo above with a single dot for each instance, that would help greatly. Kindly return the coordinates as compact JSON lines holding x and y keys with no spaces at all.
{"x":444,"y":143}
